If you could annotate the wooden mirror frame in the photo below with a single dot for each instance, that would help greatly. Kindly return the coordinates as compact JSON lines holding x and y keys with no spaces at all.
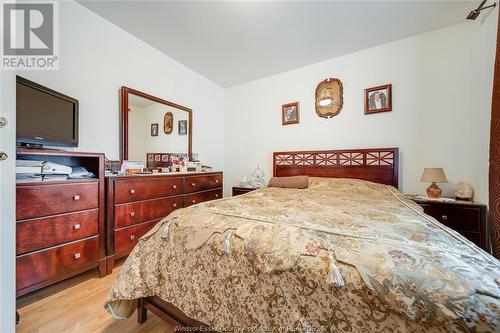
{"x":125,"y":91}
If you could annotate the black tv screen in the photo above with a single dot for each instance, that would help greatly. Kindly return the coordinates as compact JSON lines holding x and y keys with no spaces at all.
{"x":45,"y":116}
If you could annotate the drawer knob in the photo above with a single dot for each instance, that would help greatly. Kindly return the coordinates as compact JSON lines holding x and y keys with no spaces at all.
{"x":174,"y":186}
{"x":76,"y":226}
{"x":444,"y":217}
{"x":216,"y":195}
{"x":132,"y":237}
{"x":132,"y":191}
{"x":76,"y":197}
{"x":193,"y":184}
{"x":217,"y":181}
{"x":174,"y":205}
{"x":132,"y":214}
{"x":77,"y":255}
{"x":193,"y":201}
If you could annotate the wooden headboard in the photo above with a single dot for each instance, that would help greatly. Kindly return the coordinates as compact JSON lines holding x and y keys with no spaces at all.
{"x":377,"y":165}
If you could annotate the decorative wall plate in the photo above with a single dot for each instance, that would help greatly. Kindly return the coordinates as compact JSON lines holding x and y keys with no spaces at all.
{"x":329,"y":98}
{"x":168,"y":123}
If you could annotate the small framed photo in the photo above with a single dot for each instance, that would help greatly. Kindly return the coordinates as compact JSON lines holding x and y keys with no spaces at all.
{"x":154,"y":129}
{"x":378,"y":99}
{"x":182,"y":127}
{"x":290,"y":113}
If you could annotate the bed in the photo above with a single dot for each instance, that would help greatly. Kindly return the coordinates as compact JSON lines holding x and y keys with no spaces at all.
{"x":350,"y":253}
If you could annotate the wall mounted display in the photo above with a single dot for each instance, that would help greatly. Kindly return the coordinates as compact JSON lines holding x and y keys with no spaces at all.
{"x":329,"y":98}
{"x":182,"y":127}
{"x":378,"y":99}
{"x":168,"y":123}
{"x":290,"y":113}
{"x":154,"y":129}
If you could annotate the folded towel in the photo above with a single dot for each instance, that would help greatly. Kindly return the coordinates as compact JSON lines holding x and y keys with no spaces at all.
{"x":289,"y":182}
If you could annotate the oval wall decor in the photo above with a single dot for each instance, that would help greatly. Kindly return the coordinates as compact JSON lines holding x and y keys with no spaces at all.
{"x":329,"y":98}
{"x":168,"y":123}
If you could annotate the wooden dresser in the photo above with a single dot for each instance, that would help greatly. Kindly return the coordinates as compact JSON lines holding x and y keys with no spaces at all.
{"x":239,"y":190}
{"x":60,"y":224}
{"x":136,"y":203}
{"x":468,"y":218}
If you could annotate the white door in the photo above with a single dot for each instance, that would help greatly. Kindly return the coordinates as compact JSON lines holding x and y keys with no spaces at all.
{"x":7,"y":201}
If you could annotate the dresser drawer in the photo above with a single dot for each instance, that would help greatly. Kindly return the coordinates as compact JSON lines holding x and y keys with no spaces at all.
{"x":196,"y":198}
{"x":203,"y":182}
{"x":45,"y":200}
{"x":474,"y":237}
{"x":35,"y":234}
{"x":457,"y":218}
{"x":142,"y":189}
{"x":126,"y":239}
{"x":52,"y":263}
{"x":142,"y":211}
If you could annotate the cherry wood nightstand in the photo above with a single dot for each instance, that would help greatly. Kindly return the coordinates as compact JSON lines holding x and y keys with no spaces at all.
{"x":242,"y":190}
{"x":466,"y":217}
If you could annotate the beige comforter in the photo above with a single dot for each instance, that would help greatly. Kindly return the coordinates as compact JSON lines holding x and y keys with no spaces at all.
{"x":343,"y":255}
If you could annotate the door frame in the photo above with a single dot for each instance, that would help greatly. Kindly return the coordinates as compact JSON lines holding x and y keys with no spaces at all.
{"x":8,"y":203}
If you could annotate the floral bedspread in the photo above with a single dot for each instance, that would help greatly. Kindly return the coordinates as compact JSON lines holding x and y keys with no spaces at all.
{"x":343,"y":255}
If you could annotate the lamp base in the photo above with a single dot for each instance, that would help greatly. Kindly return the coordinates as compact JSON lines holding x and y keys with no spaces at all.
{"x":433,"y":191}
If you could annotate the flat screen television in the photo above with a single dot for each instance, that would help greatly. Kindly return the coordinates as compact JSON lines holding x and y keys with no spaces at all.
{"x":44,"y":116}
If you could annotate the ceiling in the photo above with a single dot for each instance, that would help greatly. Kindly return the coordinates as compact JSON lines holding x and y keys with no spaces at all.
{"x":232,"y":42}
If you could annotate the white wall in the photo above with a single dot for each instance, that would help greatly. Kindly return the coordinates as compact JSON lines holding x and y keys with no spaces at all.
{"x":97,"y":58}
{"x":137,"y":134}
{"x":441,"y":107}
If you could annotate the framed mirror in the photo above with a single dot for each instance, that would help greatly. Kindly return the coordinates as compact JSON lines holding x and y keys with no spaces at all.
{"x":152,"y":127}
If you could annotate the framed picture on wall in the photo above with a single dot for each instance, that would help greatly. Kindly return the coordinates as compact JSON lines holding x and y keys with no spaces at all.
{"x":378,"y":99}
{"x":290,"y":113}
{"x":168,"y":123}
{"x":183,"y":127}
{"x":154,"y":129}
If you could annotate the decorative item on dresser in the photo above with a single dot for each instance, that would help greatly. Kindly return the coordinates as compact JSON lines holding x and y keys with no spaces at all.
{"x":136,"y":203}
{"x":238,"y":190}
{"x":464,"y":191}
{"x":434,"y":175}
{"x":60,"y":224}
{"x":466,"y":217}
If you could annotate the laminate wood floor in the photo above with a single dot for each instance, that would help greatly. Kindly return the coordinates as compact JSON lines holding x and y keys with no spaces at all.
{"x":76,"y":305}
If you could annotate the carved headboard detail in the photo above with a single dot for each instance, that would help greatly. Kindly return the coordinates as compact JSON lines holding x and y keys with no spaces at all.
{"x":377,"y":165}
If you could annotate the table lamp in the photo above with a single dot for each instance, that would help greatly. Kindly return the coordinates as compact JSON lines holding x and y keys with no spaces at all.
{"x":434,"y":175}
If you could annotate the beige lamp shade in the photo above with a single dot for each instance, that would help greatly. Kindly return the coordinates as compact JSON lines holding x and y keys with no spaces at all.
{"x":434,"y":175}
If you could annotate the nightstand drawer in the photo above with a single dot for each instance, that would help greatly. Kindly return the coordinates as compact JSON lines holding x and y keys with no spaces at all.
{"x":457,"y":218}
{"x":242,"y":190}
{"x":474,"y":237}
